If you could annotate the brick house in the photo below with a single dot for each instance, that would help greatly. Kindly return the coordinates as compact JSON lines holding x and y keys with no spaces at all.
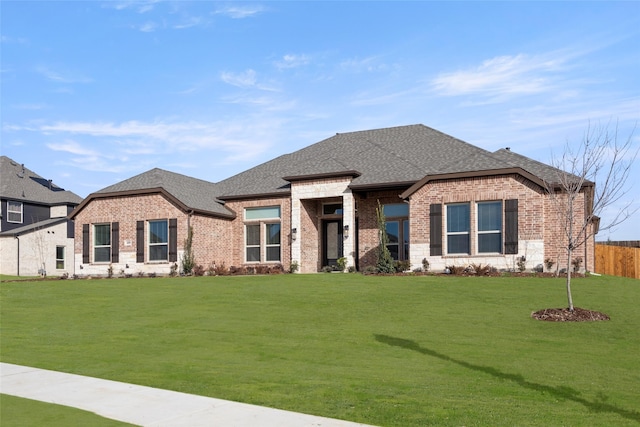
{"x":444,"y":200}
{"x":35,"y":235}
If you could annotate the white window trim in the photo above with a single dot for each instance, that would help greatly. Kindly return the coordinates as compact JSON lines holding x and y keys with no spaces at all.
{"x":456,"y":233}
{"x":9,"y":212}
{"x":266,"y":245}
{"x":478,"y":232}
{"x":64,"y":250}
{"x":259,"y":245}
{"x":262,"y":223}
{"x":149,"y":244}
{"x":93,"y":251}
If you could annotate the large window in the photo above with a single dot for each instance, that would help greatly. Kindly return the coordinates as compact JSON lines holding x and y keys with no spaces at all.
{"x":458,"y":226}
{"x":14,"y":211}
{"x":262,"y":234}
{"x":159,"y":240}
{"x":490,"y":227}
{"x":397,"y":228}
{"x":59,"y":257}
{"x":102,"y":243}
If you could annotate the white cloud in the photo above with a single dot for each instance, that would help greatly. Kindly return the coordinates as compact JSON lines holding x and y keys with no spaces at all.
{"x":502,"y":76}
{"x":62,"y":77}
{"x":238,"y":12}
{"x":72,"y":147}
{"x":147,"y":27}
{"x":244,"y":80}
{"x":141,"y":6}
{"x":292,"y":61}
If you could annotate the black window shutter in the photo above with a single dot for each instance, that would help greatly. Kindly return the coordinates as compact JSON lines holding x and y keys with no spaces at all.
{"x":140,"y":241}
{"x":173,"y":240}
{"x":435,"y":229}
{"x":85,"y":243}
{"x":511,"y":226}
{"x":115,"y":242}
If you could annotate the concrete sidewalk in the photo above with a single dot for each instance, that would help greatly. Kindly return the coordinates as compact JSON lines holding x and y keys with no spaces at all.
{"x":146,"y":406}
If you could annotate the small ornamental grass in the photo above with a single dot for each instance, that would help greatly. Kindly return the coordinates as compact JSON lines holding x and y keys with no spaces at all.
{"x":384,"y":350}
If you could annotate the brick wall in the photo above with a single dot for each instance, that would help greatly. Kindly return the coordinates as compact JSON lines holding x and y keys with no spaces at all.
{"x":211,"y":236}
{"x":538,"y":223}
{"x":236,"y":256}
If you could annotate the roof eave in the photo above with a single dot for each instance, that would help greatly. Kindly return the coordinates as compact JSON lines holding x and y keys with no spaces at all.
{"x":143,"y":192}
{"x":255,"y":196}
{"x":471,"y":174}
{"x":317,"y":176}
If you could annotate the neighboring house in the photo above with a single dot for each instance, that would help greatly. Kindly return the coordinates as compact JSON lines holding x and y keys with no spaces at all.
{"x":35,"y":235}
{"x":444,"y":200}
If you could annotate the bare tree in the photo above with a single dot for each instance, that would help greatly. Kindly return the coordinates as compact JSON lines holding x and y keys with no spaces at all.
{"x":590,"y":179}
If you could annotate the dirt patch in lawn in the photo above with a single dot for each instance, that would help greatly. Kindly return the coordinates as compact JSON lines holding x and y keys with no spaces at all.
{"x":565,"y":315}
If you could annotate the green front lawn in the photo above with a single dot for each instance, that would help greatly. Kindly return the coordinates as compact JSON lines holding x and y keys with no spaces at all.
{"x":18,"y":412}
{"x":389,"y":351}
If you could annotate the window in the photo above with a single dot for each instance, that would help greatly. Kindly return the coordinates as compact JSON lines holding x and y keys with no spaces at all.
{"x":102,"y":243}
{"x":253,"y":243}
{"x":262,"y":234}
{"x":59,"y":257}
{"x":490,"y":227}
{"x":397,"y":227}
{"x":458,"y":228}
{"x":273,"y":241}
{"x":332,"y":209}
{"x":14,"y":211}
{"x":158,"y":240}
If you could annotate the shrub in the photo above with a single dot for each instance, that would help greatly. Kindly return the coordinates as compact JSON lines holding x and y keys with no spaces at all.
{"x":342,"y":263}
{"x":352,"y":269}
{"x":294,"y":267}
{"x":221,"y":270}
{"x":276,"y":269}
{"x":370,"y":269}
{"x":188,"y":259}
{"x":548,"y":263}
{"x":402,"y":266}
{"x":425,"y":265}
{"x":174,"y":270}
{"x":481,"y":270}
{"x":327,"y":269}
{"x":522,"y":263}
{"x":198,"y":270}
{"x":456,"y":270}
{"x":577,"y":263}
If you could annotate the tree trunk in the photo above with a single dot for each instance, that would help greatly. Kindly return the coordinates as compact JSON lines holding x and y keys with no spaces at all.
{"x":569,"y":298}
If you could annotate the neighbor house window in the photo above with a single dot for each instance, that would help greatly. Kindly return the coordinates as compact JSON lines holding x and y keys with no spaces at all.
{"x":14,"y":211}
{"x":159,"y":240}
{"x":458,"y":225}
{"x":397,"y":228}
{"x":262,"y":234}
{"x":102,"y":243}
{"x":490,"y":227}
{"x":60,"y":257}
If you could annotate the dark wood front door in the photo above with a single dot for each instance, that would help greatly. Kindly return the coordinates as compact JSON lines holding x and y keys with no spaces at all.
{"x":331,"y":242}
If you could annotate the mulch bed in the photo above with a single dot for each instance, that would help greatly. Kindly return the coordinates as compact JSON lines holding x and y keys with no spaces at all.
{"x":565,"y":315}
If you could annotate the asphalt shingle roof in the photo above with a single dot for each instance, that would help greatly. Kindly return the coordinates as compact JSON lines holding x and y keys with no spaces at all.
{"x":22,"y":184}
{"x":194,"y":193}
{"x":397,"y":156}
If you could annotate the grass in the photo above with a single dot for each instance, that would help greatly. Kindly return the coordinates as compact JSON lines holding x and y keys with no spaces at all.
{"x":388,"y":351}
{"x":27,"y":413}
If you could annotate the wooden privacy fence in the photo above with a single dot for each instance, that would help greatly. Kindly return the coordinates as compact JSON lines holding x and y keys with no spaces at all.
{"x":618,"y":261}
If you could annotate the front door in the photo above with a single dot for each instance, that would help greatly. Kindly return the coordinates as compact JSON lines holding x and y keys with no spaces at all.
{"x":331,"y":242}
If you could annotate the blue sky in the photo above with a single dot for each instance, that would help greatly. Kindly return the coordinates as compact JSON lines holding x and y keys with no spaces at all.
{"x":96,"y":92}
